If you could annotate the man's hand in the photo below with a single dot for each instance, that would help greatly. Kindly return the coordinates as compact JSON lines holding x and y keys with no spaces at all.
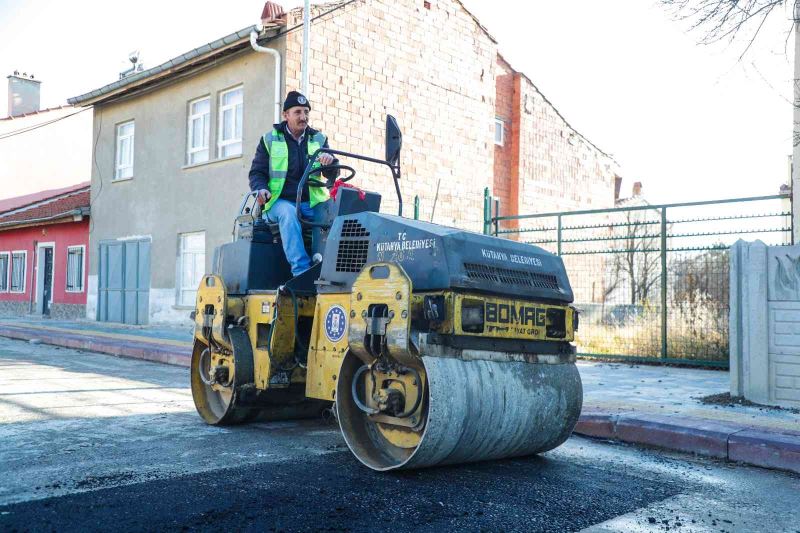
{"x":325,"y":159}
{"x":263,"y":196}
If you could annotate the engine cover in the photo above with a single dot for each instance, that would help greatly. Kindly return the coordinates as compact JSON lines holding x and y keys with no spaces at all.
{"x":437,"y":257}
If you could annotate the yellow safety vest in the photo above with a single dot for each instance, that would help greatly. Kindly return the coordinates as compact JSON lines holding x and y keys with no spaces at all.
{"x":278,"y":151}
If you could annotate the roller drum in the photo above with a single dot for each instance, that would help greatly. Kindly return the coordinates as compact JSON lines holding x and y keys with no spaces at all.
{"x":477,"y":410}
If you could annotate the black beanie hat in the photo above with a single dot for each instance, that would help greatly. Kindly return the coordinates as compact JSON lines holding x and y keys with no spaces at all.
{"x":293,"y":99}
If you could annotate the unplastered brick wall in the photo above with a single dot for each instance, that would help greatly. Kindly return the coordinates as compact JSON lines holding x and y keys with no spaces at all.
{"x":559,"y":169}
{"x":431,"y":66}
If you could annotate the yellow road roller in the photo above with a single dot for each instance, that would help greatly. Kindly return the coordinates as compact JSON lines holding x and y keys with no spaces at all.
{"x":430,"y":345}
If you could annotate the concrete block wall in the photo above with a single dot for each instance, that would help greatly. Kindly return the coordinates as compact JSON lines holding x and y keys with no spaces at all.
{"x":434,"y":69}
{"x":765,"y":323}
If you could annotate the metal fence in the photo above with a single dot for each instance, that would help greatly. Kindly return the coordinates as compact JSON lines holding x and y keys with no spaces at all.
{"x":651,"y":281}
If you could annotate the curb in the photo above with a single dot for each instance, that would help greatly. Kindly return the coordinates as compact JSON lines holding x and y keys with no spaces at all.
{"x":145,"y":350}
{"x":733,"y":442}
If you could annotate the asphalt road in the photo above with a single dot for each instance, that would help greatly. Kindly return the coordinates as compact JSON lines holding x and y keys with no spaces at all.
{"x":92,"y":442}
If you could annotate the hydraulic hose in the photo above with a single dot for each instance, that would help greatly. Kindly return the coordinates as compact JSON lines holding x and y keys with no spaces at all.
{"x":356,"y":399}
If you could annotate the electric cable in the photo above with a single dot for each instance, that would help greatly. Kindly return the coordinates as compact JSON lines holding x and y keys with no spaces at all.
{"x":43,"y":124}
{"x":279,"y":34}
{"x":298,"y":26}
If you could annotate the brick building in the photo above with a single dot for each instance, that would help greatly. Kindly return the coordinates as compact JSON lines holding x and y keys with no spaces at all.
{"x":44,"y":241}
{"x":188,"y":128}
{"x":469,"y":119}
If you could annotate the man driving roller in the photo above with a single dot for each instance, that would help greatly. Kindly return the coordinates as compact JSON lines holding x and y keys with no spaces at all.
{"x":279,"y":163}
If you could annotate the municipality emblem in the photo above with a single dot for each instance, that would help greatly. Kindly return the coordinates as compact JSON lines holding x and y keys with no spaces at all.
{"x":302,"y":100}
{"x":335,"y":323}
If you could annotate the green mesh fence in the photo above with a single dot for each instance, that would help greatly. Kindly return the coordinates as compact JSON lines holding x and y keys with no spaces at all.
{"x":652,"y":281}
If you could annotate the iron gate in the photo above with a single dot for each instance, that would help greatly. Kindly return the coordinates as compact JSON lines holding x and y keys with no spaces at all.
{"x":124,"y":281}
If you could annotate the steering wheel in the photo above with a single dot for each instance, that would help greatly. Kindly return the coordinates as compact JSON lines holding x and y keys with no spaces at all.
{"x":315,"y":183}
{"x":306,"y":180}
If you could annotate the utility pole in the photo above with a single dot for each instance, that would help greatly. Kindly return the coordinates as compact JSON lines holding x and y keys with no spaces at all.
{"x":306,"y":39}
{"x":796,"y":128}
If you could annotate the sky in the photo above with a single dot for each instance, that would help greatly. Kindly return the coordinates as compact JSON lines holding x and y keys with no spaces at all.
{"x":691,"y":122}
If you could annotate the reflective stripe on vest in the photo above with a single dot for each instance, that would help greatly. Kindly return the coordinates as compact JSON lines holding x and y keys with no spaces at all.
{"x":278,"y":152}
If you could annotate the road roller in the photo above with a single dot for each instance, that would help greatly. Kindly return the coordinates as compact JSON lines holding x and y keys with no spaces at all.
{"x":430,"y":345}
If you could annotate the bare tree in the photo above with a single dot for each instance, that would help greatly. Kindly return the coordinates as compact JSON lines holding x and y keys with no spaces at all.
{"x":701,"y":276}
{"x":732,"y":20}
{"x":635,"y":269}
{"x":727,"y":20}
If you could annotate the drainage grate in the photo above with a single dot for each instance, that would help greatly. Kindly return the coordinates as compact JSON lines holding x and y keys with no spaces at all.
{"x":352,"y":255}
{"x":511,"y":277}
{"x":353,"y":228}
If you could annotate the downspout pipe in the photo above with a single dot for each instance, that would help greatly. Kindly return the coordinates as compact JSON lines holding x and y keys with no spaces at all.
{"x":277,"y":56}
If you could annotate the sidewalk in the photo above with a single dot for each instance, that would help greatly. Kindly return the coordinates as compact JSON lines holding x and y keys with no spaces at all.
{"x":162,"y":344}
{"x":647,"y":405}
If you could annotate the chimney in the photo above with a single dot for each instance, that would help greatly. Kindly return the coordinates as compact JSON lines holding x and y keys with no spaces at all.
{"x":23,"y":94}
{"x":272,"y":14}
{"x":617,"y":187}
{"x":637,"y":188}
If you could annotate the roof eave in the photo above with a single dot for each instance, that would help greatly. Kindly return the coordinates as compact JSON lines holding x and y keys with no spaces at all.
{"x":185,"y":62}
{"x":73,"y":215}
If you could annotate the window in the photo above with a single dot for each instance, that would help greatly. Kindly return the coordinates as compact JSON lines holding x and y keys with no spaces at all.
{"x":192,"y":264}
{"x":231,"y":112}
{"x":18,"y":263}
{"x":499,"y":127}
{"x":124,"y":160}
{"x":4,"y":272}
{"x":198,"y":128}
{"x":75,"y":268}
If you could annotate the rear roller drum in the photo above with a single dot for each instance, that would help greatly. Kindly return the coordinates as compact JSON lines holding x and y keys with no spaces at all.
{"x":216,"y":383}
{"x":471,"y":411}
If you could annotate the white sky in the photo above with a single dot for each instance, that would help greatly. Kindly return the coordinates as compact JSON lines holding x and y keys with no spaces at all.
{"x":691,"y":122}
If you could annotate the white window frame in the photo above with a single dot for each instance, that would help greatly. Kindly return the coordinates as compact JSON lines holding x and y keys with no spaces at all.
{"x":499,"y":122}
{"x":222,"y":143}
{"x":8,"y":271}
{"x":82,"y":248}
{"x":181,"y":289}
{"x":190,"y":130}
{"x":118,"y":167}
{"x":24,"y":271}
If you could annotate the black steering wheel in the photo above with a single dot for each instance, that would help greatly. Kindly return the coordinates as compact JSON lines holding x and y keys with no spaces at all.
{"x":316,"y":183}
{"x":324,"y":168}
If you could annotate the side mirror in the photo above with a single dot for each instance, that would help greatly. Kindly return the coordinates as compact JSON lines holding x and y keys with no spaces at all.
{"x":394,"y":141}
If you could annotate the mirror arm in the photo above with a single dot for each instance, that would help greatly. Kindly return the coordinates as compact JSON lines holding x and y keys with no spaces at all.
{"x":395,"y":168}
{"x":396,"y":176}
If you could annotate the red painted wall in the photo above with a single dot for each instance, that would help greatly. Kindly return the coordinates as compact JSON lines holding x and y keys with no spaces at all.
{"x":63,"y":235}
{"x":506,"y":157}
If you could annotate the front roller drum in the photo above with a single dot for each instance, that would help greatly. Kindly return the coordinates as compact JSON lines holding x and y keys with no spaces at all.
{"x":473,"y":411}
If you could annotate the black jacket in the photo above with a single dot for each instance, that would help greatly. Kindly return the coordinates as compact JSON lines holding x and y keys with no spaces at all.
{"x":298,"y":159}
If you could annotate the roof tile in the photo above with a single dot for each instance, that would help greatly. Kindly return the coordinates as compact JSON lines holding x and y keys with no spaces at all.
{"x":10,"y":204}
{"x":60,"y":206}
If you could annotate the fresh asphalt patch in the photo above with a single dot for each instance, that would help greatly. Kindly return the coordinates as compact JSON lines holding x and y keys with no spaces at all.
{"x":334,"y":492}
